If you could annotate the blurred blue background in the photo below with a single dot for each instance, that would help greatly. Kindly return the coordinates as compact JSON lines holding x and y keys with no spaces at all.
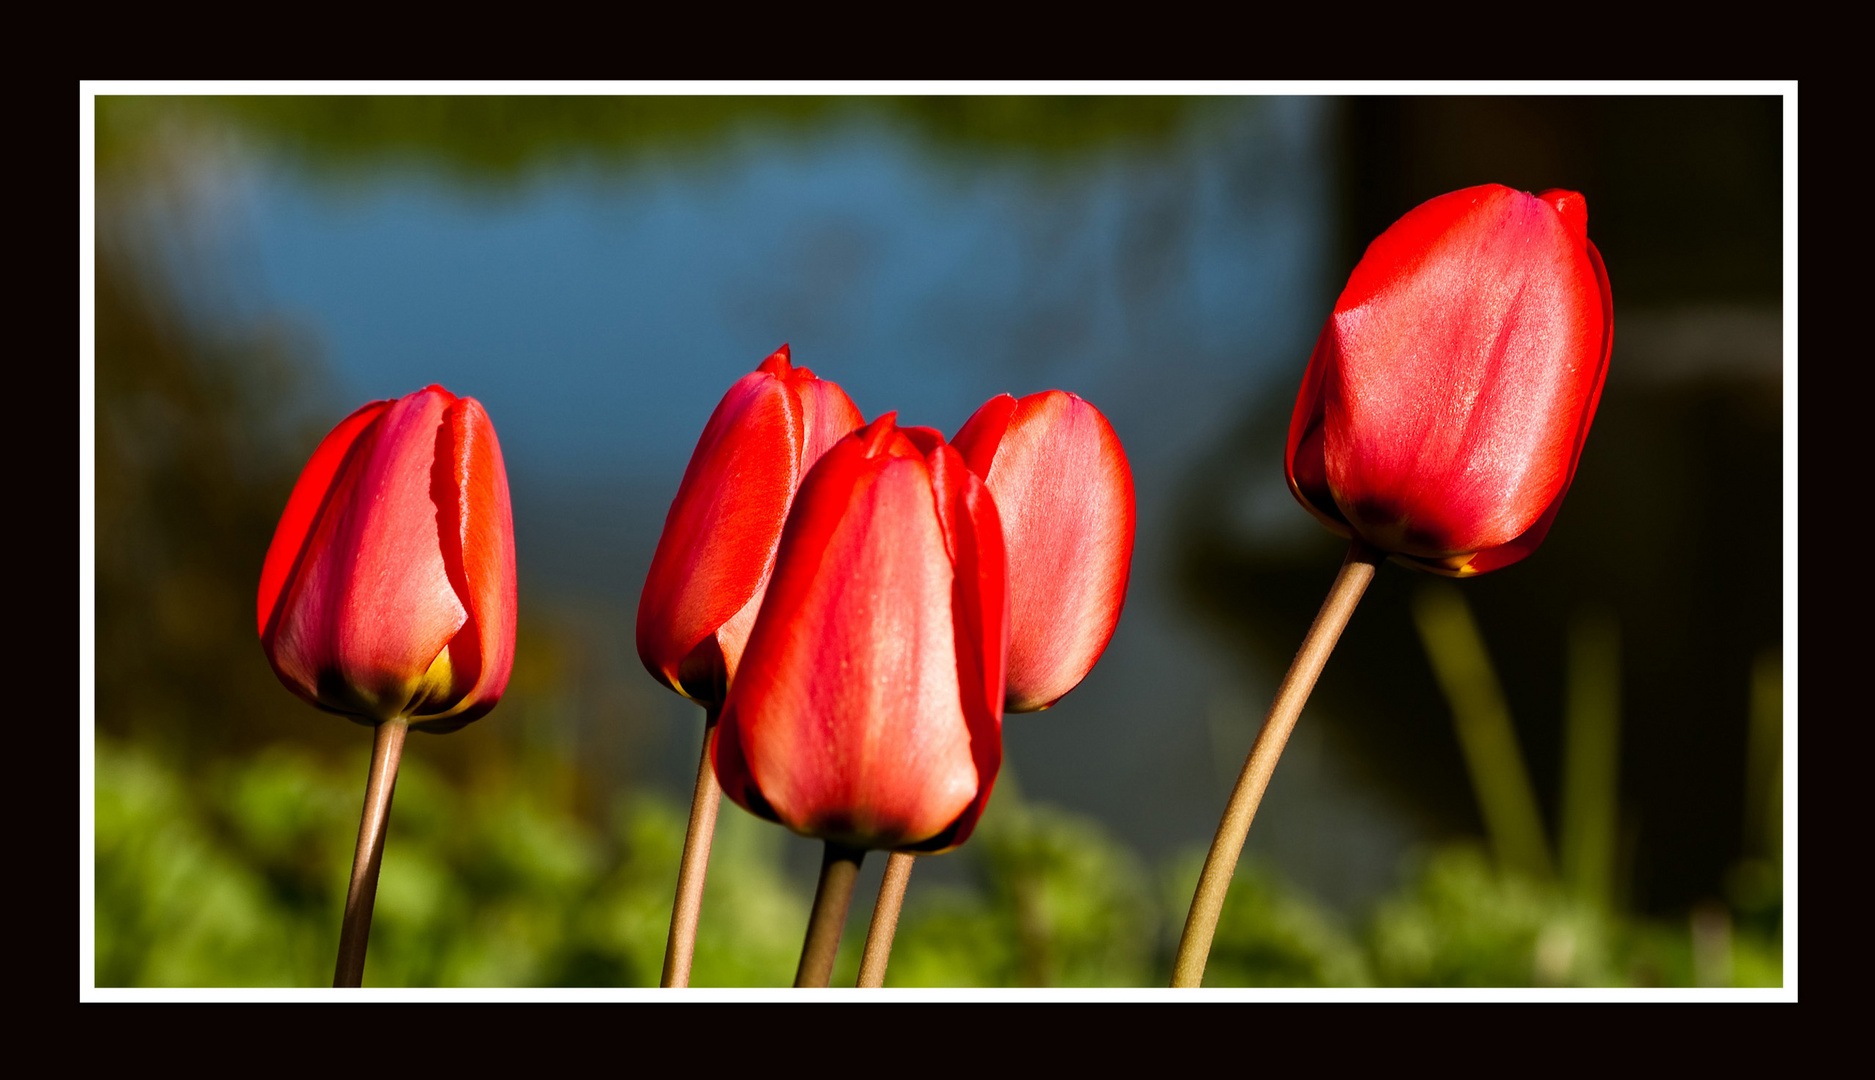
{"x":597,"y":271}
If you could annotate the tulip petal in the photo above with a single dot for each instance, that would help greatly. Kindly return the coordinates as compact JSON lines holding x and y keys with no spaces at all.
{"x":1303,"y":460}
{"x":846,"y":718}
{"x":373,"y":605}
{"x":778,"y":363}
{"x":980,"y":436}
{"x":981,"y":615}
{"x":1064,"y":492}
{"x":714,"y":558}
{"x":827,"y":415}
{"x":732,"y":766}
{"x":717,"y":548}
{"x":311,"y":500}
{"x":1465,"y":340}
{"x":469,"y":487}
{"x":1515,"y":550}
{"x":1571,"y":207}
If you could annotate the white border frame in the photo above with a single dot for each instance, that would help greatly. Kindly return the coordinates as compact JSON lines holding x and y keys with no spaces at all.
{"x":89,"y":91}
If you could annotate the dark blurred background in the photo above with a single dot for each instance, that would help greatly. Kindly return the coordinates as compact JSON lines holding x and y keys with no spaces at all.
{"x":598,"y":270}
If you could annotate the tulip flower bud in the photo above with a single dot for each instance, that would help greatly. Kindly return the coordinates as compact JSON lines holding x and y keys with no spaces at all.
{"x":718,"y":547}
{"x":868,"y":708}
{"x":1447,"y":400}
{"x":1065,"y":494}
{"x":389,"y":588}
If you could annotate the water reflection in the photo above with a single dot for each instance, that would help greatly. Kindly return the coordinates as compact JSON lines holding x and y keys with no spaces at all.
{"x":599,"y":314}
{"x":605,"y":312}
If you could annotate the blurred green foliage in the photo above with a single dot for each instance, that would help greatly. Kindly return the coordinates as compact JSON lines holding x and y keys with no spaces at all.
{"x":1055,"y":901}
{"x":234,"y":875}
{"x":492,"y":141}
{"x":1463,"y":923}
{"x":1269,"y":934}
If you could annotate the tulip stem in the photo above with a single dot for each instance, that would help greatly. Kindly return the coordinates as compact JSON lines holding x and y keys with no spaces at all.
{"x":1194,"y":947}
{"x":839,"y":869}
{"x":681,"y":947}
{"x":387,"y":749}
{"x":885,"y":920}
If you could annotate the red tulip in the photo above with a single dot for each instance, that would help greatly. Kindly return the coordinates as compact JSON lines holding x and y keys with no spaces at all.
{"x":389,"y":588}
{"x":868,"y":708}
{"x":1065,"y":493}
{"x":1445,"y":406}
{"x":718,"y":548}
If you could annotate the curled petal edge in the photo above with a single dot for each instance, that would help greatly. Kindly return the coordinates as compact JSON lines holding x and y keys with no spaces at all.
{"x":478,"y":553}
{"x":811,"y":522}
{"x":982,"y":434}
{"x":980,"y":612}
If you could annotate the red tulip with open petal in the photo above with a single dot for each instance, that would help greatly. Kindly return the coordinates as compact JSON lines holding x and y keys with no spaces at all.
{"x":388,"y":594}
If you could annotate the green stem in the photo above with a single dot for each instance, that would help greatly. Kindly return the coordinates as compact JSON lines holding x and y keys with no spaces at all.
{"x":1591,"y":758}
{"x":1764,"y":761}
{"x":1485,"y":734}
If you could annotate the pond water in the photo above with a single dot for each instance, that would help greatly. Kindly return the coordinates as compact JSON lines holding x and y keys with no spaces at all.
{"x":599,"y":310}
